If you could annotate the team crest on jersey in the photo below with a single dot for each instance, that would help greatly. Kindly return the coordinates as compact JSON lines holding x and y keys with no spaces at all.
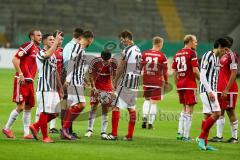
{"x":20,"y":54}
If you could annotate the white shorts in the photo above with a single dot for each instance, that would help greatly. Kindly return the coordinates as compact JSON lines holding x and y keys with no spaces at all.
{"x":75,"y":95}
{"x":126,"y":97}
{"x":48,"y":102}
{"x":209,"y":106}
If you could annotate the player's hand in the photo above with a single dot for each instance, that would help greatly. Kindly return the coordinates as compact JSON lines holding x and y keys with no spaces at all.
{"x":224,"y":94}
{"x":211,"y":96}
{"x":61,"y":94}
{"x":166,"y":86}
{"x":59,"y":36}
{"x":94,"y":90}
{"x":65,"y":85}
{"x":21,"y":79}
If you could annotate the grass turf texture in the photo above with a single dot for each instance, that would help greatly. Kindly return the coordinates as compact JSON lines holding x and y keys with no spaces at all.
{"x":155,"y":144}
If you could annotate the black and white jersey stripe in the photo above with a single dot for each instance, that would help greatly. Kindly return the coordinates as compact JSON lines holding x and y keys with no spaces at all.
{"x":75,"y":70}
{"x":47,"y":80}
{"x":131,"y":75}
{"x":210,"y":63}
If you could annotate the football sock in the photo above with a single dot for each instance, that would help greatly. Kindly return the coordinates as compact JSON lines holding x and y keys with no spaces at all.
{"x":37,"y":115}
{"x":131,"y":123}
{"x":104,"y":123}
{"x":234,"y":129}
{"x":71,"y":115}
{"x":43,"y":124}
{"x":91,"y":119}
{"x":26,"y":121}
{"x":153,"y":112}
{"x":13,"y":116}
{"x":187,"y":124}
{"x":146,"y":108}
{"x":180,"y":123}
{"x":203,"y":123}
{"x":220,"y":125}
{"x":115,"y":120}
{"x":207,"y":126}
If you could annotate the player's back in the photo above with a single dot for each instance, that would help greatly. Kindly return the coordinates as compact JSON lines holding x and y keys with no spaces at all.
{"x":130,"y":78}
{"x":154,"y":64}
{"x":183,"y":62}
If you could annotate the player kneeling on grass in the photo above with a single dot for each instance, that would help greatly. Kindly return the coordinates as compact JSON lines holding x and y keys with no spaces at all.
{"x":48,"y":99}
{"x":102,"y":71}
{"x":208,"y":90}
{"x":126,"y":84}
{"x":154,"y":64}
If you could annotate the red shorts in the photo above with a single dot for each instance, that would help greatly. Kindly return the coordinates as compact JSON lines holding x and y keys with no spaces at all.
{"x":23,"y":93}
{"x":152,"y":93}
{"x":228,"y":102}
{"x":187,"y":97}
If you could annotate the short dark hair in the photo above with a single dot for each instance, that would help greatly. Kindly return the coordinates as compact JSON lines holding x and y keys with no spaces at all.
{"x":78,"y":32}
{"x":31,"y":33}
{"x":45,"y":36}
{"x":55,"y":33}
{"x":230,"y":41}
{"x":126,"y":34}
{"x":222,"y":42}
{"x":88,"y":34}
{"x":106,"y":55}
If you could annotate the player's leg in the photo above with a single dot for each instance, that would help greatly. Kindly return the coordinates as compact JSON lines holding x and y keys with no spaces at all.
{"x":219,"y":127}
{"x":91,"y":120}
{"x":104,"y":121}
{"x":115,"y":121}
{"x":152,"y":113}
{"x":131,"y":123}
{"x":187,"y":122}
{"x":146,"y":106}
{"x":233,"y":124}
{"x":27,"y":122}
{"x":181,"y":116}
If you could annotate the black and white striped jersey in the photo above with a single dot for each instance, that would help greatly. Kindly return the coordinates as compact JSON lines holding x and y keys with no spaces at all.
{"x":75,"y":69}
{"x":131,"y":75}
{"x":209,"y":72}
{"x":47,"y":80}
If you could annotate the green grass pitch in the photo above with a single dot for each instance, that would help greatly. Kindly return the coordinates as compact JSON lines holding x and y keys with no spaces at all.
{"x":155,"y":144}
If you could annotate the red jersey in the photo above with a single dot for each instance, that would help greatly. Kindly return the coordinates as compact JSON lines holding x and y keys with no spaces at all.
{"x":28,"y":60}
{"x":102,"y":73}
{"x":228,"y":62}
{"x":183,"y":63}
{"x":154,"y":65}
{"x":59,"y":57}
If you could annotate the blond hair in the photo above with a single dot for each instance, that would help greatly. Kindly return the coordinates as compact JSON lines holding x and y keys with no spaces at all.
{"x":188,"y":38}
{"x":157,"y":40}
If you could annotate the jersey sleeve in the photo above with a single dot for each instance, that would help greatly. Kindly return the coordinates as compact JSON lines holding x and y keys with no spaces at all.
{"x":174,"y":64}
{"x":205,"y":61}
{"x":24,"y":49}
{"x":91,"y":66}
{"x":194,"y":60}
{"x":233,"y":61}
{"x":41,"y":54}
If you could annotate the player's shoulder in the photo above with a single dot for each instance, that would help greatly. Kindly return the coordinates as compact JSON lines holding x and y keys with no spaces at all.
{"x":27,"y":45}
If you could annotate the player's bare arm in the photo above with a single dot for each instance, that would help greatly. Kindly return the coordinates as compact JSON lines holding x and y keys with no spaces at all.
{"x":16,"y":63}
{"x":175,"y":76}
{"x":119,"y":72}
{"x":196,"y":72}
{"x":59,"y":86}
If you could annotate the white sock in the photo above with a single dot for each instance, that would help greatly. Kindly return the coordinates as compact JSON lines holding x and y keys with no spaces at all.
{"x":37,"y":115}
{"x":180,"y":123}
{"x":53,"y":123}
{"x":13,"y":116}
{"x":187,"y":124}
{"x":146,"y":108}
{"x":91,"y":119}
{"x":26,"y":121}
{"x":104,"y":123}
{"x":234,"y":129}
{"x":153,"y":112}
{"x":220,"y":125}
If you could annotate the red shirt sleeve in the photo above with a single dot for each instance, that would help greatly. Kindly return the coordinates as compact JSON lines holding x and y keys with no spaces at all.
{"x":25,"y":48}
{"x":194,"y":60}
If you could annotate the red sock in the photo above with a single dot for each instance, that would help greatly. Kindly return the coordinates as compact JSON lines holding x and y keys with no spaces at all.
{"x":203,"y":123}
{"x":131,"y":123}
{"x":206,"y":137}
{"x":208,"y":124}
{"x":71,"y":114}
{"x":43,"y":124}
{"x":115,"y":120}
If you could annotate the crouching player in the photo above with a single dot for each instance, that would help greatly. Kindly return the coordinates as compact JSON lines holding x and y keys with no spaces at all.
{"x":101,"y":73}
{"x":47,"y":95}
